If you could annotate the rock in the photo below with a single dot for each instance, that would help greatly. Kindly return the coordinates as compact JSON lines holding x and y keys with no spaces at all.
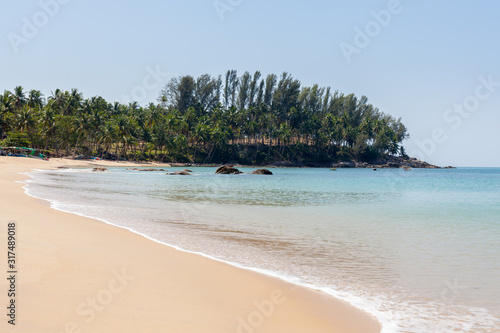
{"x":393,"y":165}
{"x":350,"y":164}
{"x":147,"y":170}
{"x":62,"y":167}
{"x":449,"y":167}
{"x":187,"y":170}
{"x":392,"y":162}
{"x":407,"y":168}
{"x":99,"y":169}
{"x":381,"y":161}
{"x":261,"y":172}
{"x":227,"y":170}
{"x":415,"y":163}
{"x":180,"y":173}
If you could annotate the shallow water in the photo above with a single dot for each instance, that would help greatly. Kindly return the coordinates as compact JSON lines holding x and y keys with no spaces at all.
{"x":418,"y":249}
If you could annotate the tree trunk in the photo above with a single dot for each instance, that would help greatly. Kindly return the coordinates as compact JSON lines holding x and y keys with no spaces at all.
{"x":76,"y":145}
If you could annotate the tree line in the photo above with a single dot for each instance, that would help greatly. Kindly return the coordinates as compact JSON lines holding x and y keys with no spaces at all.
{"x":248,"y":119}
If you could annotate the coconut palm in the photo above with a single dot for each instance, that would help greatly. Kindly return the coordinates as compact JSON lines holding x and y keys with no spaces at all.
{"x":6,"y":107}
{"x":19,"y":98}
{"x":35,"y":100}
{"x":48,"y":125}
{"x":107,"y":136}
{"x":25,"y":120}
{"x":80,"y":128}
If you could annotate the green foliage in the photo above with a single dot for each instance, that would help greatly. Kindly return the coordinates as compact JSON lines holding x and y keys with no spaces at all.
{"x":248,"y":119}
{"x":17,"y":139}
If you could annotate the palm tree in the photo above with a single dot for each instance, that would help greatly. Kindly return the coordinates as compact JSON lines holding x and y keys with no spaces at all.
{"x":80,"y":126}
{"x":284,"y":134}
{"x":220,"y":135}
{"x":343,"y":153}
{"x":25,"y":120}
{"x":6,"y":107}
{"x":19,"y":98}
{"x":35,"y":100}
{"x":107,"y":136}
{"x":201,"y":135}
{"x":124,"y":131}
{"x":48,"y":124}
{"x":73,"y":102}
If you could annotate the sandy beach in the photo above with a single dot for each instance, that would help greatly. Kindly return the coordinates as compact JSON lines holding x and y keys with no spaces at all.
{"x":76,"y":274}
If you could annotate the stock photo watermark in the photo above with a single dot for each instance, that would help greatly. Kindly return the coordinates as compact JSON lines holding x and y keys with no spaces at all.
{"x":154,"y":79}
{"x":262,"y":310}
{"x":12,"y":265}
{"x":92,"y":306}
{"x":372,"y":29}
{"x":31,"y":26}
{"x":452,"y":290}
{"x":222,"y":7}
{"x":455,"y":116}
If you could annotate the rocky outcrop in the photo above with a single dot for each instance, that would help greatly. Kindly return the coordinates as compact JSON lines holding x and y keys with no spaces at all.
{"x":227,"y":170}
{"x":261,"y":172}
{"x":187,"y":170}
{"x":416,"y":163}
{"x":390,"y":162}
{"x":99,"y":169}
{"x":180,"y":173}
{"x":148,"y":170}
{"x":349,"y":164}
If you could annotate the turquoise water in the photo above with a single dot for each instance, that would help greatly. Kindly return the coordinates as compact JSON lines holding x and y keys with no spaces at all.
{"x":418,"y":249}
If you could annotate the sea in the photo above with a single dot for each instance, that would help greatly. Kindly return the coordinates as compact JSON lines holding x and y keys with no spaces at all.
{"x":419,"y":249}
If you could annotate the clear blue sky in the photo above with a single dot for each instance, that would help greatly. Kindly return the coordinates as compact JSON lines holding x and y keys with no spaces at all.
{"x":428,"y":57}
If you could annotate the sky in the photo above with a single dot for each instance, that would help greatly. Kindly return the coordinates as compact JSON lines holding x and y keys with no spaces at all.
{"x":435,"y":64}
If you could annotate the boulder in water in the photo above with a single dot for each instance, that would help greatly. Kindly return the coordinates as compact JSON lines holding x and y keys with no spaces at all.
{"x":179,"y":173}
{"x":227,"y":170}
{"x":261,"y":172}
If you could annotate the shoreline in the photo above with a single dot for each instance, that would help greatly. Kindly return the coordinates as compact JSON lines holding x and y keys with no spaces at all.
{"x":388,"y":162}
{"x":226,"y":299}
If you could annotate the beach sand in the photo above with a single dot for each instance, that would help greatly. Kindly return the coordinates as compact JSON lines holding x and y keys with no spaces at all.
{"x":77,"y":274}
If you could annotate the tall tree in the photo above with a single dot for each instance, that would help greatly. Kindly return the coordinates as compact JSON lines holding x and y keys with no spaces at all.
{"x":269,"y":92}
{"x":254,"y":88}
{"x":230,"y":88}
{"x":19,"y":98}
{"x":244,"y":91}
